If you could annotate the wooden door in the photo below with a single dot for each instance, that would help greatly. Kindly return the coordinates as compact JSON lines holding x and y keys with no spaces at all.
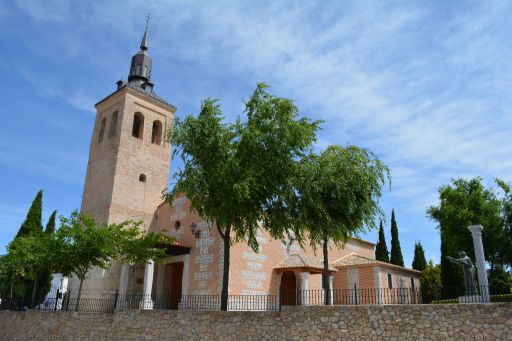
{"x":288,"y":288}
{"x":176,"y":282}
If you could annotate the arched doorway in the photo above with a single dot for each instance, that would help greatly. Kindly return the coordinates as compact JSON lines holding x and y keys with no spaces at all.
{"x":288,"y":288}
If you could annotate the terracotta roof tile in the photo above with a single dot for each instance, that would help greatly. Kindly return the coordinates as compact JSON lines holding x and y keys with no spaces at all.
{"x":354,"y":259}
{"x":299,"y":261}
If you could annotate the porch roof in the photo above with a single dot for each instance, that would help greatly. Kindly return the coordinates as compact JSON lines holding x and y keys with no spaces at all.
{"x":174,"y":248}
{"x":300,"y":262}
{"x":354,"y":259}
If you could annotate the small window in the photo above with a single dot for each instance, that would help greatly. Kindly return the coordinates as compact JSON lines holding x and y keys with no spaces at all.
{"x":390,"y":282}
{"x":177,"y":225}
{"x":138,"y":125}
{"x":412,"y":285}
{"x":102,"y":129}
{"x":156,"y":134}
{"x":142,"y":178}
{"x":113,"y":125}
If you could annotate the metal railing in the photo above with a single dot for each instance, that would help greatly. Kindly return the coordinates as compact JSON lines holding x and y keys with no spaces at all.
{"x":355,"y":296}
{"x":108,"y":302}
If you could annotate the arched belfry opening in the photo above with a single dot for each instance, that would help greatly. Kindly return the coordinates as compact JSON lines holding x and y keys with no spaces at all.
{"x":102,"y":129}
{"x":156,"y":134}
{"x":138,"y":125}
{"x":113,"y":125}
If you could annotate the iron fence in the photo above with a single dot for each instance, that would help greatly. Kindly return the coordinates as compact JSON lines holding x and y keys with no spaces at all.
{"x":108,"y":302}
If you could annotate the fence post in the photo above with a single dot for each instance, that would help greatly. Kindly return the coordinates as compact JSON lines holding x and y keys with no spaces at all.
{"x":355,"y":293}
{"x":68,"y":297}
{"x":56,"y":300}
{"x":115,"y":300}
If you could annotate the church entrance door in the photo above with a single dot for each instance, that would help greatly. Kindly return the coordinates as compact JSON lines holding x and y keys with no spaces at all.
{"x":176,"y":272}
{"x":288,"y":288}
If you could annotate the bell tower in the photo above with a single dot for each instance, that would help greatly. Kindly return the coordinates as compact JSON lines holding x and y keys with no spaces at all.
{"x":129,"y":159}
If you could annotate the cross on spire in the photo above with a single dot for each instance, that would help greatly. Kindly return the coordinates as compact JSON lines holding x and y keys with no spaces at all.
{"x":147,"y":21}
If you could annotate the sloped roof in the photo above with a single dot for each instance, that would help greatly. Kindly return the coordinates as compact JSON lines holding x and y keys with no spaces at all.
{"x":354,"y":259}
{"x":297,"y":261}
{"x":150,"y":94}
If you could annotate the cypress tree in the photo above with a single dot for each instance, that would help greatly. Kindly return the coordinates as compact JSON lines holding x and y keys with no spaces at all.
{"x":419,"y":262}
{"x":32,"y":224}
{"x":50,"y":226}
{"x":396,"y":251}
{"x":381,"y":249}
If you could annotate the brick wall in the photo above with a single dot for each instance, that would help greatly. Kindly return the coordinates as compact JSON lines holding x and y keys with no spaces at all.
{"x":422,"y":322}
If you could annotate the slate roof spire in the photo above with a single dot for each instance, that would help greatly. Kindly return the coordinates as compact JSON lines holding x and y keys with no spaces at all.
{"x":144,"y":42}
{"x":140,"y":68}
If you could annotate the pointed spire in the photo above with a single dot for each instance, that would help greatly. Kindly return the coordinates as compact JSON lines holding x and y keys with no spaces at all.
{"x":144,"y":42}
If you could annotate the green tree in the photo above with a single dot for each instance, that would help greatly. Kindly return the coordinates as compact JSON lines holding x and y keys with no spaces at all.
{"x":506,"y":213}
{"x":11,"y":274}
{"x":50,"y":225}
{"x":84,"y":244}
{"x":236,"y":175}
{"x":381,"y":249}
{"x":35,"y":256}
{"x":339,"y":193}
{"x":430,"y":281}
{"x":500,"y":281}
{"x":396,"y":251}
{"x":32,"y":224}
{"x":419,"y":262}
{"x":463,"y":203}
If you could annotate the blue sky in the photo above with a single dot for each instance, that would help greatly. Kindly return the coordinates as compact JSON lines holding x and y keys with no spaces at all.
{"x":426,"y":85}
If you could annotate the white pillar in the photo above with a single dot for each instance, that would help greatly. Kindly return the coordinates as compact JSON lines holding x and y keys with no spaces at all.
{"x":304,"y":279}
{"x":331,"y":277}
{"x":147,"y":302}
{"x":476,"y":232}
{"x":64,"y":284}
{"x":123,"y":286}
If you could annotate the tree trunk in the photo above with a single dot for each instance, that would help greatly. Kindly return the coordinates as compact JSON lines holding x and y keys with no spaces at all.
{"x":12,"y":285}
{"x":325,"y":274}
{"x":79,"y":294}
{"x":34,"y":288}
{"x":225,"y":274}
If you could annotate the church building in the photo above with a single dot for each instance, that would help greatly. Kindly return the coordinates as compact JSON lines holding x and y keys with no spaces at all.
{"x":128,"y":168}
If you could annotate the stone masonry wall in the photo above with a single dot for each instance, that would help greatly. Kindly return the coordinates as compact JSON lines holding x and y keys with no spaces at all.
{"x":394,"y":322}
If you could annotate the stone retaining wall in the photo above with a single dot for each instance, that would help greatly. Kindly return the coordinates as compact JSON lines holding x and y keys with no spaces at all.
{"x":394,"y":322}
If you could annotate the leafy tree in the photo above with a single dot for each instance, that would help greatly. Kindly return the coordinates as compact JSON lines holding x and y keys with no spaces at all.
{"x":506,"y":213}
{"x":236,"y":175}
{"x":11,"y":274}
{"x":339,"y":193}
{"x":31,"y":227}
{"x":463,"y":203}
{"x":50,"y":226}
{"x":419,"y":262}
{"x":431,"y":282}
{"x":32,"y":224}
{"x":35,"y":257}
{"x":84,"y":244}
{"x":396,"y":250}
{"x":500,"y":281}
{"x":381,"y":249}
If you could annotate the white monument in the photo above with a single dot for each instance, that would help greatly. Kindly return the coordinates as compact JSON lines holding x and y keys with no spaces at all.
{"x":476,"y":232}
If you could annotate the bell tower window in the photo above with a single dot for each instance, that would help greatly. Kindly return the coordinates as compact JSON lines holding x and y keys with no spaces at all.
{"x":138,"y":125}
{"x":156,"y":134}
{"x":102,"y":129}
{"x":113,"y":125}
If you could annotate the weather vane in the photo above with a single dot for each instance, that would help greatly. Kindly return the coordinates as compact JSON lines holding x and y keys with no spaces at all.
{"x":147,"y":21}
